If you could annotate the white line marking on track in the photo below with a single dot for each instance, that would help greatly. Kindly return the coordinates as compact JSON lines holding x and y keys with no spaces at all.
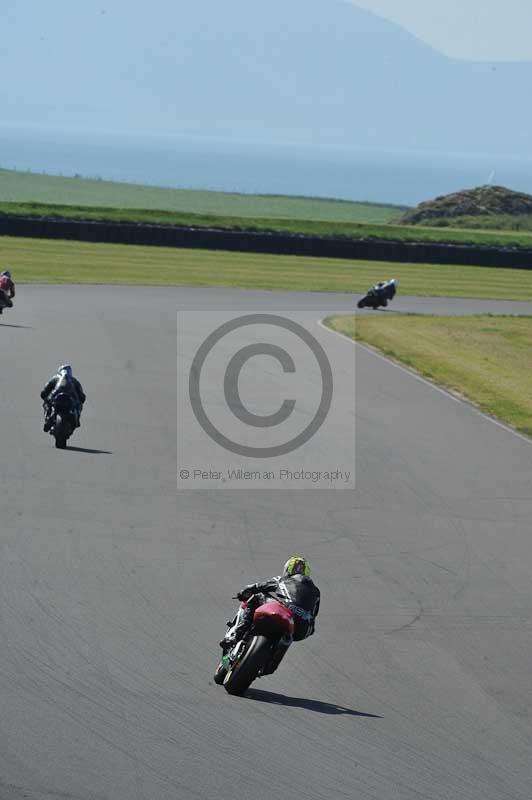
{"x":434,"y":386}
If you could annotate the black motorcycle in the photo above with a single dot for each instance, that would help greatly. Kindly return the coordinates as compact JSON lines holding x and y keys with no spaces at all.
{"x":5,"y":301}
{"x":379,"y":295}
{"x":64,"y":418}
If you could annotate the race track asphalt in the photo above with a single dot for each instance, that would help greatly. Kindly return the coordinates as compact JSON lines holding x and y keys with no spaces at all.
{"x":115,"y":587}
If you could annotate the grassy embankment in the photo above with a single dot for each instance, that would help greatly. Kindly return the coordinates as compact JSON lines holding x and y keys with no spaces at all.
{"x":28,"y":192}
{"x":485,"y":359}
{"x":365,"y":229}
{"x":486,"y":222}
{"x":44,"y":195}
{"x":53,"y":261}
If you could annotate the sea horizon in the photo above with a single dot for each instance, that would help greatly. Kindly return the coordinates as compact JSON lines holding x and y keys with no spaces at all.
{"x":251,"y":167}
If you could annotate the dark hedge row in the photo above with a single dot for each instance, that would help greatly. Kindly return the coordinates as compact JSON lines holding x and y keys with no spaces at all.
{"x":263,"y":242}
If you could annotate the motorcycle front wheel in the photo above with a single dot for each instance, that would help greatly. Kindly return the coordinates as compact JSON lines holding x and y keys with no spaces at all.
{"x":249,"y":667}
{"x":60,"y":432}
{"x":219,"y":675}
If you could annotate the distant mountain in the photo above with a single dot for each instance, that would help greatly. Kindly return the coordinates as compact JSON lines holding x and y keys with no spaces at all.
{"x":320,"y":71}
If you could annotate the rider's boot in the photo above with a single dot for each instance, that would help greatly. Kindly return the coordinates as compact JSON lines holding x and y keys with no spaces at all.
{"x":238,"y":629}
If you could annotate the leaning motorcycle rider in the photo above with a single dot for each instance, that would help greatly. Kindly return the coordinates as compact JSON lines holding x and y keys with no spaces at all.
{"x":294,"y":589}
{"x":391,"y":285}
{"x":63,"y":382}
{"x":7,"y":290}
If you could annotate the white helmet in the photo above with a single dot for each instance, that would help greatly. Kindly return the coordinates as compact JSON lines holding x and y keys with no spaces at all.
{"x":65,"y":369}
{"x":7,"y":273}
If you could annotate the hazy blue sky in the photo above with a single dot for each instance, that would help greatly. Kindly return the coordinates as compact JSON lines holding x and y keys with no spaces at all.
{"x":472,"y":29}
{"x":325,"y":72}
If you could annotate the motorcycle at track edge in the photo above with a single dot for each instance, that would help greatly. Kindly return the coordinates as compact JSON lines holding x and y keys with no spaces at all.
{"x":254,"y":655}
{"x":379,"y":295}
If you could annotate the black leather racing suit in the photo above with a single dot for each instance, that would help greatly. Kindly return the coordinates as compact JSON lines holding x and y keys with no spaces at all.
{"x":297,"y":592}
{"x":62,"y":383}
{"x":385,"y":290}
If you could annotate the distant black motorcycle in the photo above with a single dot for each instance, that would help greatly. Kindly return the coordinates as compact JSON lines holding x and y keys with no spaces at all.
{"x":64,"y":419}
{"x":5,"y":301}
{"x":379,"y":295}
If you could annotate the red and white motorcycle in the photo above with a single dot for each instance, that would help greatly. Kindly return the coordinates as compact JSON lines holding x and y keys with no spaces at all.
{"x":259,"y":652}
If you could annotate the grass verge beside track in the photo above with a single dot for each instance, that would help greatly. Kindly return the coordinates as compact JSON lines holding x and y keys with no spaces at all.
{"x":486,"y":359}
{"x":56,"y":261}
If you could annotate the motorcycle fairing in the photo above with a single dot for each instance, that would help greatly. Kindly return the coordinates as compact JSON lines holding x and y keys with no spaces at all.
{"x":272,"y":619}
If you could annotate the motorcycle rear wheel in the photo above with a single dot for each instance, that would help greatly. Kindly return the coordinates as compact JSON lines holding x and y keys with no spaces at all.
{"x":244,"y":673}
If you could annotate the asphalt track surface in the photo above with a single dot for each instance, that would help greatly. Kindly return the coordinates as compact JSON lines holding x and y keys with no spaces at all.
{"x":115,"y":588}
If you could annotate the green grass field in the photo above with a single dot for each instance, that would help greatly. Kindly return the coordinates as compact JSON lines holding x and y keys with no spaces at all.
{"x":486,"y":359}
{"x":55,"y":261}
{"x":153,"y":216}
{"x":29,"y":187}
